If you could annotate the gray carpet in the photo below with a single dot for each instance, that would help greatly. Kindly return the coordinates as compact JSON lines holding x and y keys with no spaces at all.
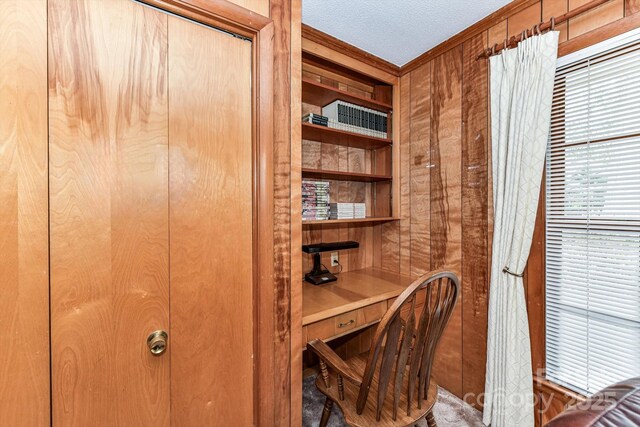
{"x":449,"y":410}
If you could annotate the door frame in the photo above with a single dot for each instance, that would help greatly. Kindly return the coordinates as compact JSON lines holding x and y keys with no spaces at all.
{"x":259,"y":29}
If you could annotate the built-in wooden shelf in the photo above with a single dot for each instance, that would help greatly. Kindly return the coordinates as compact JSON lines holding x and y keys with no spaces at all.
{"x":341,"y":137}
{"x":343,"y":176}
{"x":350,"y":221}
{"x":320,"y":94}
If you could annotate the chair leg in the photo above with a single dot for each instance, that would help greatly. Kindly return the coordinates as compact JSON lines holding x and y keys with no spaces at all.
{"x":431,"y":422}
{"x":326,"y":412}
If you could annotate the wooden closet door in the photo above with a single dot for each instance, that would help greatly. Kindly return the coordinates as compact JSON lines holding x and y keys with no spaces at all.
{"x":24,"y":261}
{"x":108,"y":212}
{"x":211,"y":210}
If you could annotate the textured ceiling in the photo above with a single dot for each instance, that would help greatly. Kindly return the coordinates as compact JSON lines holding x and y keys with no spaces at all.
{"x":395,"y":30}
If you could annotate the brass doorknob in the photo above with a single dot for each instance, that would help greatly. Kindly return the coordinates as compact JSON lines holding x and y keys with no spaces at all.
{"x":157,"y":342}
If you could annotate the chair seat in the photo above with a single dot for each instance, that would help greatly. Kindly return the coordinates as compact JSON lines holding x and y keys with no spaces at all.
{"x":368,"y":416}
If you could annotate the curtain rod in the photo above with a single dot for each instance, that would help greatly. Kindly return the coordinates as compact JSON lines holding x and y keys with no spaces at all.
{"x":539,"y":28}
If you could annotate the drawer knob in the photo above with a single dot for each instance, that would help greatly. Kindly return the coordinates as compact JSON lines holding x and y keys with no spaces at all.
{"x":350,"y":322}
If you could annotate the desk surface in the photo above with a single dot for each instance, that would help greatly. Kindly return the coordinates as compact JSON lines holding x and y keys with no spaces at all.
{"x":352,"y":290}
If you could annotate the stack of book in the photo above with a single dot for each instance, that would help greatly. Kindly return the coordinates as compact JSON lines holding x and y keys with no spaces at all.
{"x":354,"y":118}
{"x":341,"y":211}
{"x":316,"y":119}
{"x":347,"y":211}
{"x":315,"y":200}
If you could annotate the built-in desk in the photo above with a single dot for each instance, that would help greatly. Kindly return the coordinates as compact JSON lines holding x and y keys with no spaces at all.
{"x":356,"y":300}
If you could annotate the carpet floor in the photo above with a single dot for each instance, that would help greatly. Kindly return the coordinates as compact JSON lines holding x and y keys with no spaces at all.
{"x":449,"y":411}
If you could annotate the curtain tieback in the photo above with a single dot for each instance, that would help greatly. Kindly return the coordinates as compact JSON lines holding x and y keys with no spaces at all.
{"x":506,"y":270}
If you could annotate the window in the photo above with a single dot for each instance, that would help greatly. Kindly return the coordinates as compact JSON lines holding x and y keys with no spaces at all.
{"x":593,"y":220}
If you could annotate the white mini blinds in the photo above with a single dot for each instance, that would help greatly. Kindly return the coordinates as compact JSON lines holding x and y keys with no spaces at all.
{"x":593,"y":221}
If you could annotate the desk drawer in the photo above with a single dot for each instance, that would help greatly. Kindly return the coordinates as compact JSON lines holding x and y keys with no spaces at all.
{"x":341,"y":324}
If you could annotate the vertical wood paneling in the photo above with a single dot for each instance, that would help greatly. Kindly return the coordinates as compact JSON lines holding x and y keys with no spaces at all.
{"x":525,"y":19}
{"x":405,"y":175}
{"x":420,"y":166}
{"x":108,"y":211}
{"x":497,"y":33}
{"x":475,"y":202}
{"x":475,"y":147}
{"x":595,"y":18}
{"x":446,"y":202}
{"x":555,"y":8}
{"x":211,"y":226}
{"x":631,"y":7}
{"x":24,"y":268}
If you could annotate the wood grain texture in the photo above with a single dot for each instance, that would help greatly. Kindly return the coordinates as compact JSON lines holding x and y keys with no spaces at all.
{"x":24,"y":257}
{"x":552,"y":399}
{"x":108,"y":212}
{"x":474,"y":83}
{"x":475,"y":275}
{"x":631,"y":7}
{"x":405,"y":176}
{"x":359,"y":55}
{"x":525,"y":19}
{"x":608,"y":12}
{"x":497,"y":33}
{"x":354,"y":290}
{"x":446,"y":203}
{"x":257,"y":6}
{"x":211,"y":227}
{"x":600,"y":34}
{"x":287,"y":88}
{"x":420,"y":168}
{"x":296,"y":216}
{"x":344,"y":58}
{"x":555,"y":8}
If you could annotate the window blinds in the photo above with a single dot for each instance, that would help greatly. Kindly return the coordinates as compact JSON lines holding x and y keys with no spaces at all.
{"x":593,"y":222}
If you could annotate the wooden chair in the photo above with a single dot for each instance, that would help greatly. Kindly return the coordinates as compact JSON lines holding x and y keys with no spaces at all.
{"x":406,"y":342}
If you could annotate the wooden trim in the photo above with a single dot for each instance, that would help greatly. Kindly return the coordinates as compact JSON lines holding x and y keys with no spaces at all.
{"x":600,"y":34}
{"x":296,"y":214}
{"x":551,"y":399}
{"x":349,"y":221}
{"x":343,"y":176}
{"x":264,"y":319}
{"x":333,"y":43}
{"x":342,"y":59}
{"x":477,"y":28}
{"x":395,"y":152}
{"x":231,"y":17}
{"x":215,"y":13}
{"x":543,"y":384}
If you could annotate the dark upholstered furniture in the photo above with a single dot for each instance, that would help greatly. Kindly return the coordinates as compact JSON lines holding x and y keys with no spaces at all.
{"x":615,"y":406}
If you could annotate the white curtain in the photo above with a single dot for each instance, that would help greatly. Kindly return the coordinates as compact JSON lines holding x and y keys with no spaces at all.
{"x":521,"y":95}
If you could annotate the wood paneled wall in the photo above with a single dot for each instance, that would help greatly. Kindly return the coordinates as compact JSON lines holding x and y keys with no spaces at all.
{"x":445,"y":185}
